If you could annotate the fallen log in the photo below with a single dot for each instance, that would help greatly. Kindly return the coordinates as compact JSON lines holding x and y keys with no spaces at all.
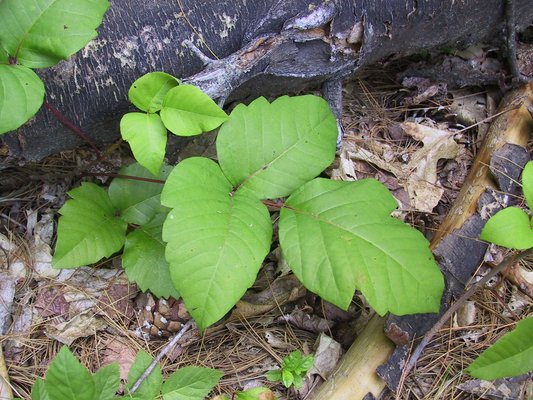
{"x":238,"y":50}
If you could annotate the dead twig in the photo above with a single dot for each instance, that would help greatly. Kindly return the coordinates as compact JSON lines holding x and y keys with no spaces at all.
{"x":415,"y":355}
{"x":158,"y":358}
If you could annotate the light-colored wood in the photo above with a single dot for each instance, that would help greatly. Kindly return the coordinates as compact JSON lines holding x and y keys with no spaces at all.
{"x":355,"y":375}
{"x":5,"y":388}
{"x":513,"y":127}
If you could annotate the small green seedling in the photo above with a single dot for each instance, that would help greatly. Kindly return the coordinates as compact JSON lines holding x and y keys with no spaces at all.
{"x":38,"y":35}
{"x":68,"y":379}
{"x":512,"y":227}
{"x":294,"y":367}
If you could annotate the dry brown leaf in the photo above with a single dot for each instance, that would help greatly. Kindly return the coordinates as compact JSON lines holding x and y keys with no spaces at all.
{"x":499,"y":389}
{"x":116,"y":301}
{"x":245,"y":310}
{"x":82,"y":325}
{"x":309,"y":322}
{"x":120,"y":351}
{"x":328,"y":353}
{"x":346,"y":169}
{"x":419,"y":175}
{"x":7,"y":294}
{"x":468,"y":107}
{"x":521,"y":277}
{"x":466,"y":315}
{"x":51,"y":302}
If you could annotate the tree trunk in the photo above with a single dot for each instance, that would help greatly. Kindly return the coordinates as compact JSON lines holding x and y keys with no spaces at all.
{"x":266,"y":47}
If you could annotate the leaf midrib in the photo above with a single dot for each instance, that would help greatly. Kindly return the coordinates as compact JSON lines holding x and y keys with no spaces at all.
{"x":340,"y":227}
{"x":281,"y":155}
{"x":24,"y":37}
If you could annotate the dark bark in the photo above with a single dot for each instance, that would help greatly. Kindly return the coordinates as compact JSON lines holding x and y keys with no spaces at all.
{"x":266,"y":47}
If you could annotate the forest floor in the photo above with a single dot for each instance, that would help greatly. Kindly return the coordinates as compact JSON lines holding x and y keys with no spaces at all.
{"x":103,"y":318}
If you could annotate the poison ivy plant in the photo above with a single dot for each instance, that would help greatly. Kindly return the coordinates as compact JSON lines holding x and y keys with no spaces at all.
{"x":38,"y":34}
{"x":185,"y":110}
{"x":511,"y":355}
{"x":294,"y":367}
{"x":512,"y":227}
{"x":336,"y":236}
{"x":93,"y":225}
{"x":67,"y":379}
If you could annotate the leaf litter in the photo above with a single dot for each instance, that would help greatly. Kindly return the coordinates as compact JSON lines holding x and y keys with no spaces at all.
{"x":103,"y":317}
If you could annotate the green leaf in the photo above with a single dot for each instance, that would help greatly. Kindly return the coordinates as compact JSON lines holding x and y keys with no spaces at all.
{"x":339,"y":236}
{"x":147,"y":92}
{"x":147,"y":137}
{"x":190,"y":383}
{"x":138,"y":201}
{"x":88,"y":229}
{"x":187,"y":111}
{"x":297,"y":363}
{"x":298,"y":381}
{"x":511,"y":355}
{"x":510,"y":227}
{"x":216,"y":239}
{"x":144,"y":259}
{"x":307,"y":363}
{"x":274,"y":375}
{"x":38,"y":390}
{"x":106,"y":382}
{"x":151,"y":386}
{"x":287,"y":378}
{"x":255,"y":393}
{"x":273,"y":149}
{"x":40,"y":33}
{"x":21,"y":96}
{"x":527,"y":184}
{"x":4,"y":57}
{"x":67,"y":379}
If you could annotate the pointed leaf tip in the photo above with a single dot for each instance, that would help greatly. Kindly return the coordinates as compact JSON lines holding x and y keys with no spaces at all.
{"x":67,"y":379}
{"x":271,"y":149}
{"x":147,"y":137}
{"x":217,"y":239}
{"x":511,"y":355}
{"x":88,"y":229}
{"x":339,"y":236}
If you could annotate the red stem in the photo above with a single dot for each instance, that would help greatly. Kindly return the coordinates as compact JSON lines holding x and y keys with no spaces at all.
{"x":61,"y":118}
